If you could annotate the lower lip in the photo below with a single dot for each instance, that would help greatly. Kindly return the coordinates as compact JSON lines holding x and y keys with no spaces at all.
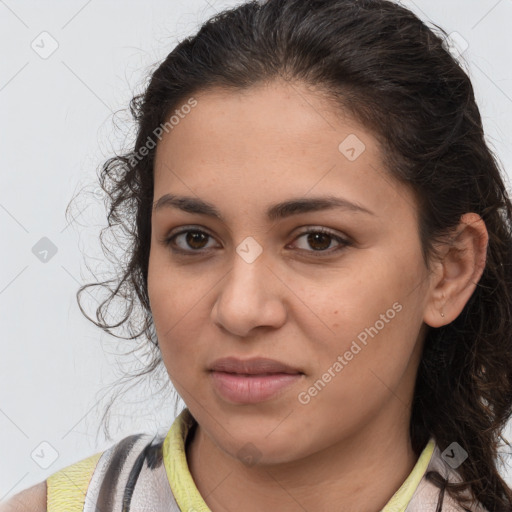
{"x":251,"y":389}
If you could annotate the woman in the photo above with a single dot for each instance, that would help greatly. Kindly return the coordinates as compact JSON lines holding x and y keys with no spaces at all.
{"x":321,"y":245}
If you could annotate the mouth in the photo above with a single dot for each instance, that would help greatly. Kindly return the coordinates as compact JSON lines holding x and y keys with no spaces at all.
{"x":253,"y":380}
{"x":254,"y":366}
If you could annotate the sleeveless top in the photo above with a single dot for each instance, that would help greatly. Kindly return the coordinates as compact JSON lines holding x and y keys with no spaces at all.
{"x":142,"y":473}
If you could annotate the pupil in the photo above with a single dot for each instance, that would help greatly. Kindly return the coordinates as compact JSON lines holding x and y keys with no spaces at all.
{"x":193,"y":236}
{"x":313,"y":238}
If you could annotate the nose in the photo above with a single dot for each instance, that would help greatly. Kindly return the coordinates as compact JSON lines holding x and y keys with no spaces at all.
{"x":249,"y":296}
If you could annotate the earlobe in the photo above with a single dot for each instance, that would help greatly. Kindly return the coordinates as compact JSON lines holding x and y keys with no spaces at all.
{"x":461,"y":268}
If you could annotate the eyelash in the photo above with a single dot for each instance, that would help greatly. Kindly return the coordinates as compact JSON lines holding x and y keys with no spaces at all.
{"x":169,"y":241}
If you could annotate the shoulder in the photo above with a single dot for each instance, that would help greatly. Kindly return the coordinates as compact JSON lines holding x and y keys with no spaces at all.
{"x":432,"y":492}
{"x":137,"y":455}
{"x":32,"y":499}
{"x":98,"y":477}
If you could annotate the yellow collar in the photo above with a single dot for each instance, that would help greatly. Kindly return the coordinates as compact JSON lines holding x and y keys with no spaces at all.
{"x":188,"y":498}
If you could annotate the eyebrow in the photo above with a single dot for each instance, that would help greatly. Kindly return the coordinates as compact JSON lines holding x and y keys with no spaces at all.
{"x":281,"y":210}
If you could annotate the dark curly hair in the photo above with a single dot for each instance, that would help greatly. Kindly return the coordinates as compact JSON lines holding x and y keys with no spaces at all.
{"x":396,"y":75}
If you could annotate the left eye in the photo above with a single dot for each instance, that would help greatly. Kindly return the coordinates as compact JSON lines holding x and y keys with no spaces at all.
{"x":195,"y":239}
{"x":320,"y":240}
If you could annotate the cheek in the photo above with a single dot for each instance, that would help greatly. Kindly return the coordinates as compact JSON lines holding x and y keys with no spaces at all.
{"x":361,"y":372}
{"x":358,"y":306}
{"x":172,"y":306}
{"x":172,"y":292}
{"x":374,"y":322}
{"x":180,"y":301}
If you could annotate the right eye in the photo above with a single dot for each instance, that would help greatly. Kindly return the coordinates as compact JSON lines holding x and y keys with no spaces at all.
{"x":192,"y":241}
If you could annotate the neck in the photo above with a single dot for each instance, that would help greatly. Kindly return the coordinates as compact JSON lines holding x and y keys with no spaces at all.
{"x":365,"y":469}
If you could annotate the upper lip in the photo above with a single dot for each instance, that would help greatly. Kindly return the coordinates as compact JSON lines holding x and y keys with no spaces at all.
{"x":253,"y":366}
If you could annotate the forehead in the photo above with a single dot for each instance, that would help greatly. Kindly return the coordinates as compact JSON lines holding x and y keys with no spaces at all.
{"x":274,"y":140}
{"x":261,"y":119}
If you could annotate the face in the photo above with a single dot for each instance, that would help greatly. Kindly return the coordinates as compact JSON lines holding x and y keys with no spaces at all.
{"x":336,"y":293}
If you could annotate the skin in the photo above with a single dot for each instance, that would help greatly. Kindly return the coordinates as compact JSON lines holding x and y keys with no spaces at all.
{"x":32,"y":499}
{"x":350,"y":445}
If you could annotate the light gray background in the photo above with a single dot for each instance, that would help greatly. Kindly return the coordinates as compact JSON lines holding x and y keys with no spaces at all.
{"x":56,"y":130}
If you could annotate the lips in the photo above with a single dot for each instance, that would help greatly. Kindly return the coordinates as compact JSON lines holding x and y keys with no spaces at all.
{"x":252,"y":381}
{"x":254,"y":366}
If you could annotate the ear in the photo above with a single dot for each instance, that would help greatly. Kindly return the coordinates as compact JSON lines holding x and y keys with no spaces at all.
{"x":457,"y":273}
